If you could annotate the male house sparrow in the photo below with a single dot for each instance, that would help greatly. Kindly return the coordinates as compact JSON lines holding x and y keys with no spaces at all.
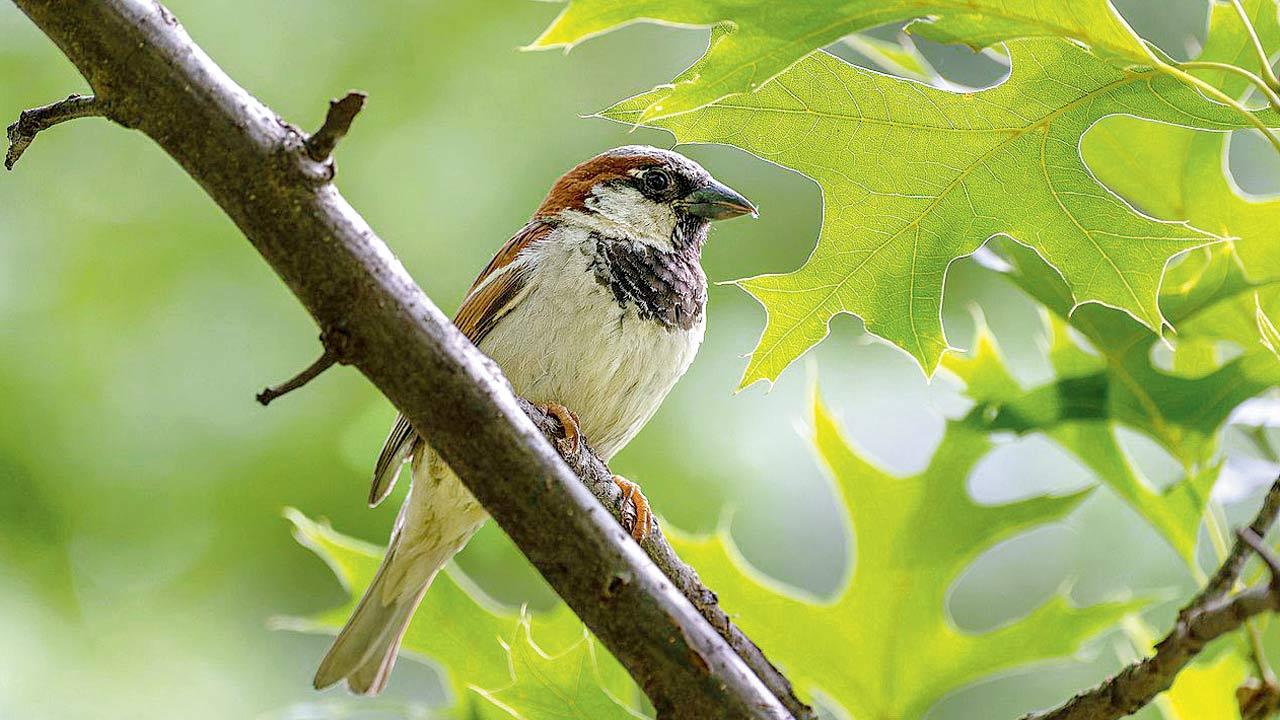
{"x":598,"y":305}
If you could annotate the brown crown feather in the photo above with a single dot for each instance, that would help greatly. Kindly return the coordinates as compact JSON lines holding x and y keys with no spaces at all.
{"x":574,"y":187}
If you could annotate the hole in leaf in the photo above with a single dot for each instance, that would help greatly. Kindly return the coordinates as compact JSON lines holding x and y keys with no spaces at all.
{"x":1012,"y":579}
{"x":1026,"y":466}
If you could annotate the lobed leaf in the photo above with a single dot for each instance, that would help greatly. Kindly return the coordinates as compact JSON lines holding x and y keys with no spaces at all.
{"x":1225,"y":293}
{"x":564,"y":686}
{"x":755,"y":41}
{"x":1116,"y":382}
{"x":1175,"y":173}
{"x":456,"y":627}
{"x":914,"y":177}
{"x":885,"y":646}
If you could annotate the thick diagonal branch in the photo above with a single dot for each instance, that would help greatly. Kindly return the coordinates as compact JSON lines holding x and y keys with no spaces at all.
{"x":1210,"y":615}
{"x":260,"y":171}
{"x":597,"y":477}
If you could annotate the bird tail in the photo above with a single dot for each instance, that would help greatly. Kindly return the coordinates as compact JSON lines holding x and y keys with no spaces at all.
{"x":366,"y":649}
{"x":437,"y":519}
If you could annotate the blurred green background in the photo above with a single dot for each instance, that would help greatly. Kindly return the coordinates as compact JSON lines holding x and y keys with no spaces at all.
{"x":142,"y":552}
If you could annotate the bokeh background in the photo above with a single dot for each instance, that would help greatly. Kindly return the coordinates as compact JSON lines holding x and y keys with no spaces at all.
{"x":142,"y":550}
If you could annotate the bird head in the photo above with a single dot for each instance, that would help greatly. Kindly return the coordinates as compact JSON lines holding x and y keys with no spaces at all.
{"x":644,"y":194}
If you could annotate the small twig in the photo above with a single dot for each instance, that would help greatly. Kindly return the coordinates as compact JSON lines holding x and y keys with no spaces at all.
{"x":1210,"y":614}
{"x":1257,"y":699}
{"x":1254,"y":541}
{"x":324,"y":362}
{"x":1257,"y":654}
{"x":1229,"y":571}
{"x":32,"y":122}
{"x":335,"y":352}
{"x":336,"y":124}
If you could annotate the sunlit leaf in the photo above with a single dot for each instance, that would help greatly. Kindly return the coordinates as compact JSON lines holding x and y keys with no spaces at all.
{"x":456,"y":627}
{"x":1115,"y":382}
{"x":564,"y":686}
{"x":1205,"y":690}
{"x":884,"y":645}
{"x":1175,"y":512}
{"x":755,"y":41}
{"x":914,"y":177}
{"x":1177,"y":174}
{"x":1211,"y":296}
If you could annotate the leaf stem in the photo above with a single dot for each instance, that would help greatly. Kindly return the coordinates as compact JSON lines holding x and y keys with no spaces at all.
{"x":1263,"y":58}
{"x":1223,"y":98}
{"x":1272,"y":97}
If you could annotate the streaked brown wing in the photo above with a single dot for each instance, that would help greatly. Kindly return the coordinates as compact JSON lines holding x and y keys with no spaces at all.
{"x":397,"y":448}
{"x":494,"y":293}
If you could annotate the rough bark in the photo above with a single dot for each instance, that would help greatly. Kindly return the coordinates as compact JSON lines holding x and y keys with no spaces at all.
{"x":1209,"y":615}
{"x":275,"y":182}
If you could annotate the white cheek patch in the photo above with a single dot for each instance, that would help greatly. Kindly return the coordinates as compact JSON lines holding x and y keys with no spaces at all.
{"x":623,"y":212}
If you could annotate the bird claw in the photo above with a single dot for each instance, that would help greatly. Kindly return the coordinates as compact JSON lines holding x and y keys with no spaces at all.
{"x":569,"y":421}
{"x":643,"y":525}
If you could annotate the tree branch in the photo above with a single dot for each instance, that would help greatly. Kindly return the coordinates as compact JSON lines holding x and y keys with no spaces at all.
{"x":595,"y":474}
{"x":336,"y":351}
{"x":1211,"y":613}
{"x":1224,"y":579}
{"x":262,"y":172}
{"x":31,"y":122}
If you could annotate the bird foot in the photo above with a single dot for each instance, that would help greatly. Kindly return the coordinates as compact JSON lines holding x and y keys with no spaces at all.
{"x":643,"y":525}
{"x":569,"y":421}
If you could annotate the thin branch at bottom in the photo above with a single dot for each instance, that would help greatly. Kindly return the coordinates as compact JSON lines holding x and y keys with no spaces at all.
{"x":1209,"y":615}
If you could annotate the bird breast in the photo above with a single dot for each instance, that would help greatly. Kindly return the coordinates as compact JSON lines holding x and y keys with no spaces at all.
{"x":602,"y":330}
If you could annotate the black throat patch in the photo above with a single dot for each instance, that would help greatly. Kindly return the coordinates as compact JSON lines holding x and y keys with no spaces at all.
{"x":666,"y":287}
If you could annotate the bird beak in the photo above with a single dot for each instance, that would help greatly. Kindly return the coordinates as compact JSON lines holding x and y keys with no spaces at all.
{"x":715,"y":201}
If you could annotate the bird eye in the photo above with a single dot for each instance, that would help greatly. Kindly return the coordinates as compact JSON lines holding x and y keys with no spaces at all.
{"x":657,"y":180}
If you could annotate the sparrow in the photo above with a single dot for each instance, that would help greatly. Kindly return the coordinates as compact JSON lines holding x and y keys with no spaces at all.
{"x":593,"y":310}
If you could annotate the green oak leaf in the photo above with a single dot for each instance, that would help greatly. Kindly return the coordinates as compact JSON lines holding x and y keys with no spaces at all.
{"x":456,"y":626}
{"x":914,"y":177}
{"x":1174,"y":512}
{"x":1178,"y":174}
{"x":1210,"y":300}
{"x":1116,"y":382}
{"x":564,"y":686}
{"x":884,"y":646}
{"x":755,"y":41}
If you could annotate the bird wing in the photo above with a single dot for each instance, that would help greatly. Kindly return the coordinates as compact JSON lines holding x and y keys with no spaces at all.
{"x":496,"y":292}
